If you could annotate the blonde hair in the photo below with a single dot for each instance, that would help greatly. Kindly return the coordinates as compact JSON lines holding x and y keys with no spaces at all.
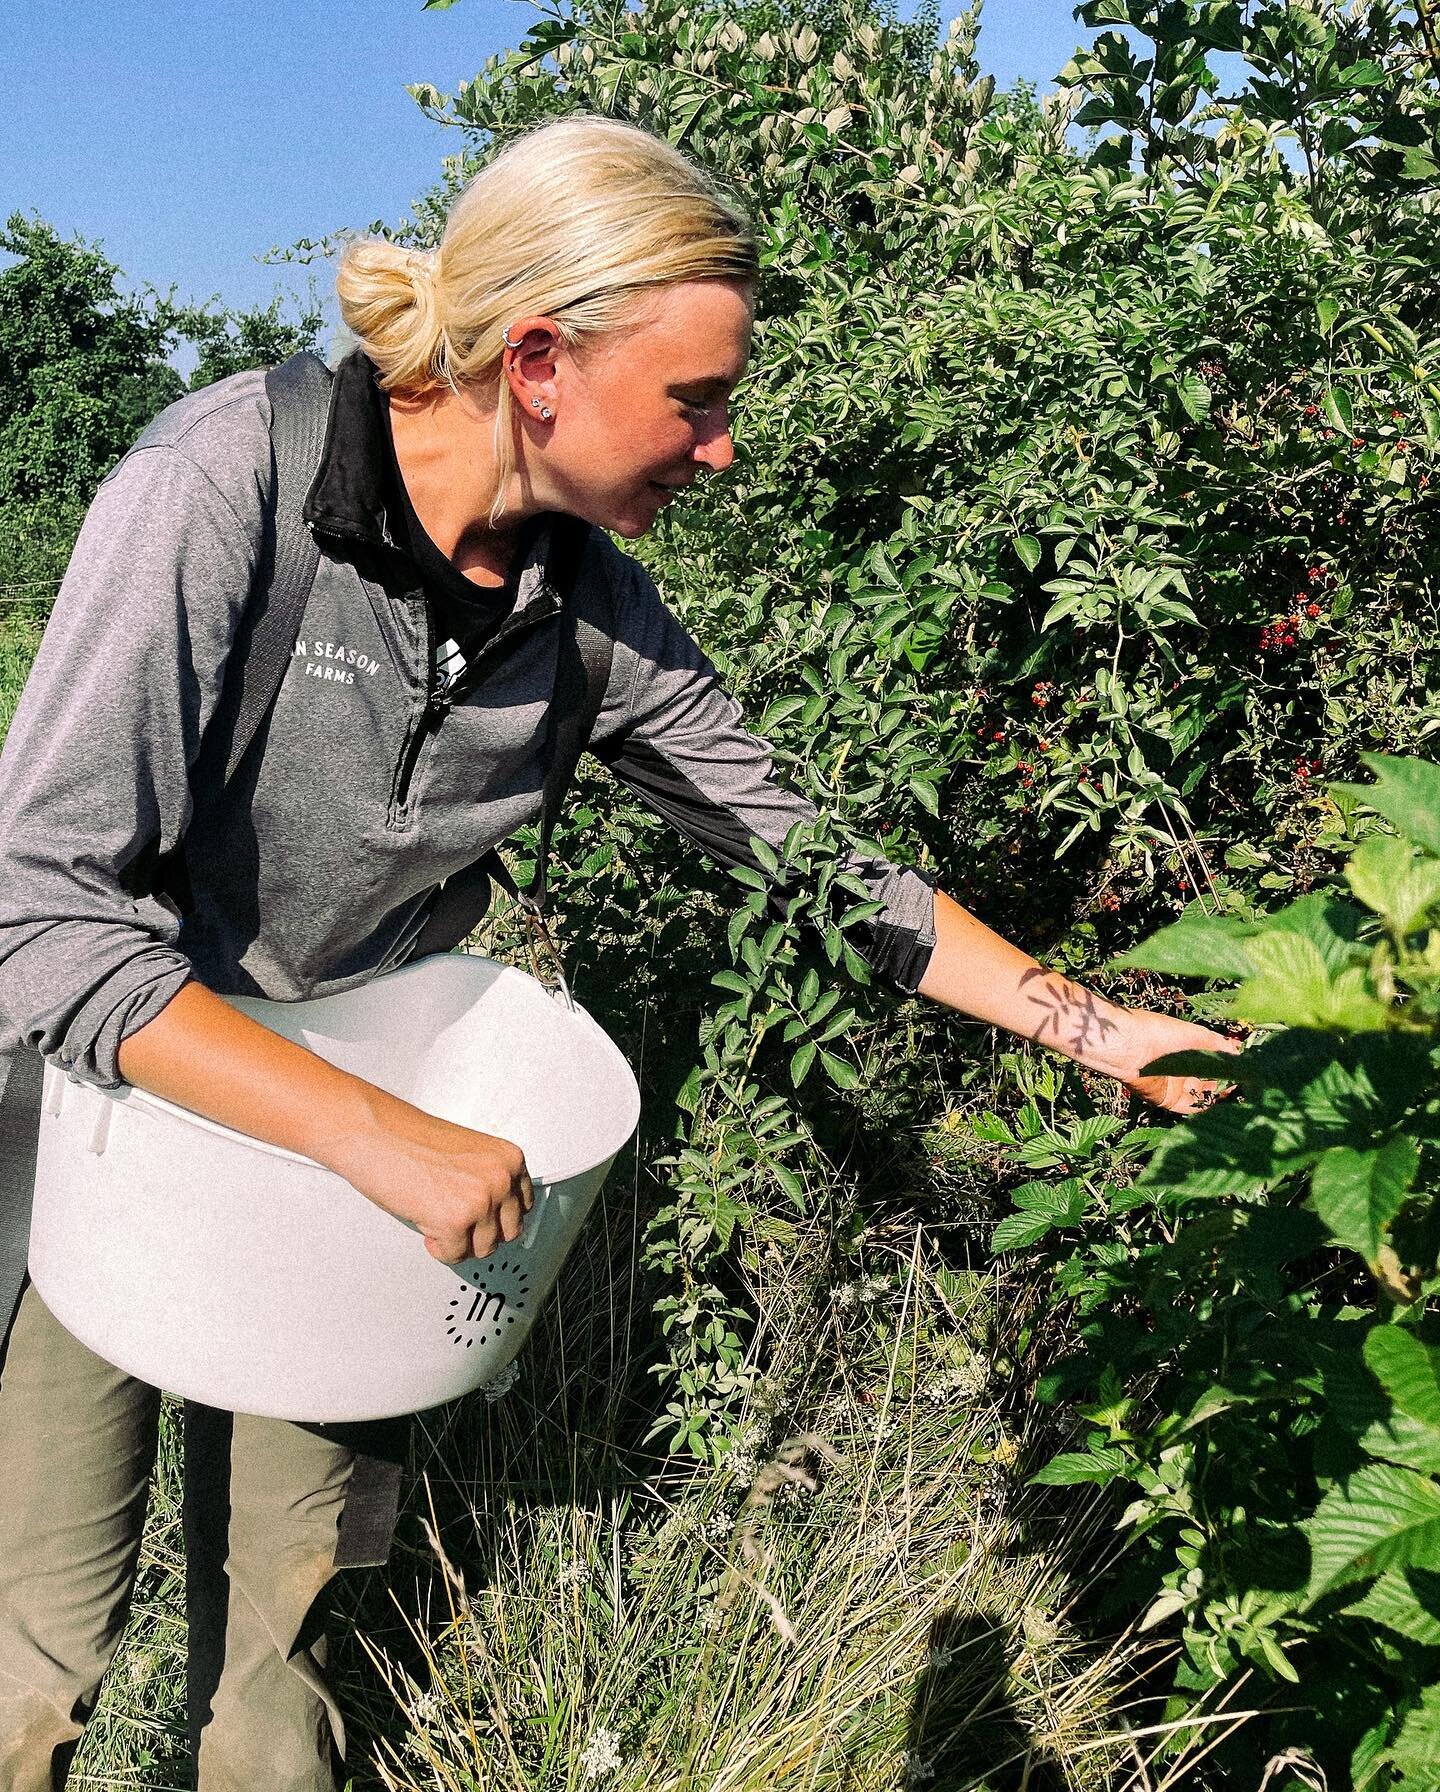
{"x":577,"y":219}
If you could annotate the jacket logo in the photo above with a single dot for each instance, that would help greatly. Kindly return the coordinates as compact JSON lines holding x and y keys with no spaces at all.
{"x":331,"y":660}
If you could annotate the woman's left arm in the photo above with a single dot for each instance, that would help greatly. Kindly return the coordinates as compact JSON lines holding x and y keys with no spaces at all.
{"x":975,"y":970}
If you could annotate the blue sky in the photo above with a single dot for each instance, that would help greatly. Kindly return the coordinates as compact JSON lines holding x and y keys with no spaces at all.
{"x":187,"y":139}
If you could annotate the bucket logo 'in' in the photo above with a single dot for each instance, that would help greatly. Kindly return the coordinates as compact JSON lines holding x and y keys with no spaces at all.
{"x":481,"y":1311}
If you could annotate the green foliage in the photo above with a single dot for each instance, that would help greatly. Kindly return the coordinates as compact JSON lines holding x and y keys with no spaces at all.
{"x":232,"y":341}
{"x":1258,"y":1361}
{"x":81,"y":368}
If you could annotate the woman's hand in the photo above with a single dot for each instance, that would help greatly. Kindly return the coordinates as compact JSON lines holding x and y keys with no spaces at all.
{"x":1141,"y":1037}
{"x":467,"y":1192}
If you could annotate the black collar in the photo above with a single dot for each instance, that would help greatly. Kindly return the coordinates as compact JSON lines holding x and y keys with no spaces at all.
{"x":352,"y":497}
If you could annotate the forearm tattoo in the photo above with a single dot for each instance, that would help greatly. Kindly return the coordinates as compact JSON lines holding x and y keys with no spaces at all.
{"x":1073,"y":1019}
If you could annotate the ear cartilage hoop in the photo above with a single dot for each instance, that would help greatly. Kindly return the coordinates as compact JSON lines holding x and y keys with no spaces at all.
{"x":505,"y":338}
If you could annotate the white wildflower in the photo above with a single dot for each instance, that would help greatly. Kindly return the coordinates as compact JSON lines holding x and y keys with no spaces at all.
{"x":938,"y":1659}
{"x":842,"y":1299}
{"x":917,"y":1769}
{"x":601,"y":1754}
{"x":500,"y":1385}
{"x":968,"y":1382}
{"x":575,"y":1573}
{"x":872,"y":1288}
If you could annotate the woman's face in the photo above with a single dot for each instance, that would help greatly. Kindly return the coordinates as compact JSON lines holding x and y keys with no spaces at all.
{"x":645,"y":409}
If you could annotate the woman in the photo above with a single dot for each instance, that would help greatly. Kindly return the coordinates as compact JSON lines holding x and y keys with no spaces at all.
{"x":568,"y":351}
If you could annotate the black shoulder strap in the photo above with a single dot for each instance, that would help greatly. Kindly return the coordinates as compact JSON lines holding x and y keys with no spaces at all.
{"x":299,"y":394}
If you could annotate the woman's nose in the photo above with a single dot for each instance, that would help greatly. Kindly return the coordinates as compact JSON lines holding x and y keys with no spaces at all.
{"x":717,"y":452}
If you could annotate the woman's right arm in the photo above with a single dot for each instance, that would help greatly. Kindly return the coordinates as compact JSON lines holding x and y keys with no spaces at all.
{"x":94,"y":774}
{"x":466,"y":1191}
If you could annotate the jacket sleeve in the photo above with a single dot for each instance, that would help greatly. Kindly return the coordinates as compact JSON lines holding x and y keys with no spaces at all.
{"x":93,"y":775}
{"x":673,"y":735}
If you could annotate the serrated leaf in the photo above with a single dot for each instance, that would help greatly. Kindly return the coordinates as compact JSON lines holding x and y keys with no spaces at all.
{"x":1405,"y":1602}
{"x":1017,"y":1230}
{"x":801,"y":1062}
{"x":1408,"y":1371}
{"x":1028,"y":550}
{"x":1199,"y":946}
{"x":1072,"y":1467}
{"x":1380,"y":1518}
{"x":765,"y":854}
{"x":1326,"y":311}
{"x":843,"y":1075}
{"x":792,"y":1186}
{"x":1390,"y":879}
{"x":1358,"y":1193}
{"x":1293,"y":988}
{"x":926,"y":795}
{"x":1338,"y":409}
{"x":1406,"y":792}
{"x":1194,"y":396}
{"x":732,"y":981}
{"x":1416,"y":1750}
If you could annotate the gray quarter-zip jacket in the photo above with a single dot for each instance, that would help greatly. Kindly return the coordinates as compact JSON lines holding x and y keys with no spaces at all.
{"x":315,"y":868}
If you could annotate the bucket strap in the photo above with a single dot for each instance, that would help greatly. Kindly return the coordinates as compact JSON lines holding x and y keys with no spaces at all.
{"x":19,"y":1143}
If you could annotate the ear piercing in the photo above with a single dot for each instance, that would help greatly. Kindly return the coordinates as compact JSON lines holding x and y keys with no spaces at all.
{"x":545,"y":411}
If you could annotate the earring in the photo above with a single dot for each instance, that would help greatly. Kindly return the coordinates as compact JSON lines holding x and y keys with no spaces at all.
{"x":547,"y":413}
{"x":535,"y":402}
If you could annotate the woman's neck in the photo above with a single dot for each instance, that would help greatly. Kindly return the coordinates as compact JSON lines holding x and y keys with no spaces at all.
{"x":444,"y":449}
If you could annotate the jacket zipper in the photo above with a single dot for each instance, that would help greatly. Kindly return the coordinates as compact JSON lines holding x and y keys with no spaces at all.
{"x":437,"y":707}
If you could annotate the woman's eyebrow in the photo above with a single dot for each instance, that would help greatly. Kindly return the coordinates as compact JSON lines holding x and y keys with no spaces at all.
{"x":715,"y":382}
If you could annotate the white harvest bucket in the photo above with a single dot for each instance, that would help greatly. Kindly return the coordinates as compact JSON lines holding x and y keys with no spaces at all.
{"x":235,"y":1273}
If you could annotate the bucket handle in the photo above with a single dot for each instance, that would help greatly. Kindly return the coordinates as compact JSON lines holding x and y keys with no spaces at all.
{"x":543,"y":953}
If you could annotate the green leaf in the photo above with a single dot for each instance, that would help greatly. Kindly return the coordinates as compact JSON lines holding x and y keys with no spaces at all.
{"x":1405,"y":1602}
{"x":1028,"y":549}
{"x":1408,"y":1372}
{"x":1358,"y":1193}
{"x":1199,"y":946}
{"x":843,"y":1075}
{"x":1361,"y":74}
{"x":1225,"y":1151}
{"x":732,"y":981}
{"x":1416,"y":1750}
{"x":1293,"y":988}
{"x":1419,"y":164}
{"x":1338,"y":409}
{"x":1072,"y":1467}
{"x":1380,"y":1518}
{"x":925,"y":794}
{"x":1326,"y":311}
{"x":1406,"y":792}
{"x":1389,"y":878}
{"x":1194,"y":395}
{"x":801,"y":1062}
{"x":1017,"y":1230}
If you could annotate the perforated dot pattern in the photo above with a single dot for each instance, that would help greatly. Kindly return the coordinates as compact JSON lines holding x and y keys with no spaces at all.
{"x":495,"y":1291}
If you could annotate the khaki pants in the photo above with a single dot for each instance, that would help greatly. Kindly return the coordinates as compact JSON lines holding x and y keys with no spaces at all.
{"x":263,"y":1507}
